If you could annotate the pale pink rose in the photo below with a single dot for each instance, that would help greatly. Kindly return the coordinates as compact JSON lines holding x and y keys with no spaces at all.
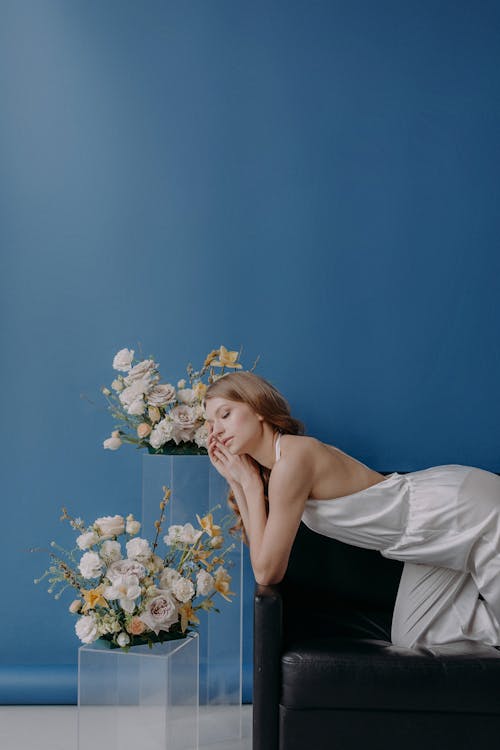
{"x":123,"y":360}
{"x":143,"y":430}
{"x":185,"y":422}
{"x":143,"y":370}
{"x":161,"y":612}
{"x":161,"y":395}
{"x":136,"y":626}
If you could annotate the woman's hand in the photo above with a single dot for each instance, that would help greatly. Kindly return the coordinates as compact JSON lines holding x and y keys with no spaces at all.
{"x":236,"y":470}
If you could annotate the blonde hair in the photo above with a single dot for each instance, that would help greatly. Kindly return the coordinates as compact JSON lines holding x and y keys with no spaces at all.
{"x":249,"y":388}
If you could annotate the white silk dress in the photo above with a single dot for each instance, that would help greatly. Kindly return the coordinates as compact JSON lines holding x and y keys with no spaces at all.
{"x":444,"y":523}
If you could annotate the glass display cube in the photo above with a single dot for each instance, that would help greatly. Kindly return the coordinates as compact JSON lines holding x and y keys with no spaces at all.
{"x":145,"y":698}
{"x":196,"y":488}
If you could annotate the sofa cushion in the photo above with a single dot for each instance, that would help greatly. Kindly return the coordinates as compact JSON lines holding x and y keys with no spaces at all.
{"x":364,"y":674}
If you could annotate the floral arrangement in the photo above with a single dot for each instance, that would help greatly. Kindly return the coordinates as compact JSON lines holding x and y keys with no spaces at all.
{"x":160,"y":416}
{"x":142,"y":597}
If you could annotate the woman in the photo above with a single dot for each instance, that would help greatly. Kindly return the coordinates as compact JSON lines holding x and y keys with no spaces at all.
{"x":443,"y":522}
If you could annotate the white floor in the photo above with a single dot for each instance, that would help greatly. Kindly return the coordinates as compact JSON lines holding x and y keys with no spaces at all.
{"x":55,"y":728}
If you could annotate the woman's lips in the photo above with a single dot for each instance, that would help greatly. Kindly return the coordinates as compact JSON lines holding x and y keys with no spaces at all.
{"x":225,"y":442}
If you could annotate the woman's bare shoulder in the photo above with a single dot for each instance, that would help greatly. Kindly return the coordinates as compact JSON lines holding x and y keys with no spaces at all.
{"x":300,"y":444}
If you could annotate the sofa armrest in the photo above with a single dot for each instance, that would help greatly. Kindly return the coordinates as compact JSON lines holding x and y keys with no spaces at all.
{"x":268,"y":644}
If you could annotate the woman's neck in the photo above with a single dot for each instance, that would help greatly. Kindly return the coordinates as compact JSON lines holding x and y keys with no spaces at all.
{"x":265,"y":450}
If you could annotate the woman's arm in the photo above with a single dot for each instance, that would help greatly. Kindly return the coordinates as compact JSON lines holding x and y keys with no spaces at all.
{"x":270,"y":536}
{"x":241,"y":501}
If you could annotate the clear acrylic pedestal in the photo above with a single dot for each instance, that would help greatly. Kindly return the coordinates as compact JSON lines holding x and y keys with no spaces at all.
{"x":144,"y":698}
{"x":196,"y":488}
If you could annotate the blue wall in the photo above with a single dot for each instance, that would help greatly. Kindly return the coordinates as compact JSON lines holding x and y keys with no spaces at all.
{"x":315,"y":181}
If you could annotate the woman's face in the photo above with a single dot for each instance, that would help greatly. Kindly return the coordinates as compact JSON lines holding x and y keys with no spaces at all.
{"x":234,"y":423}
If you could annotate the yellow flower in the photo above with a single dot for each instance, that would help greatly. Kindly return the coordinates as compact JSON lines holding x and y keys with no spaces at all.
{"x":210,"y":357}
{"x":226,"y":359}
{"x":200,"y":555}
{"x":93,"y":598}
{"x":187,"y":615}
{"x":200,"y":390}
{"x":208,"y":525}
{"x":222,"y":579}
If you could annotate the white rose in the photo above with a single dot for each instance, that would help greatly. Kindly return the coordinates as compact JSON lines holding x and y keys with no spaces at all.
{"x":87,"y":539}
{"x":186,"y":396}
{"x":190,"y":535}
{"x":123,"y":360}
{"x":134,"y":392}
{"x":204,"y":583}
{"x":161,"y":395}
{"x":183,"y":590}
{"x":168,"y":577}
{"x":201,"y":436}
{"x":86,"y":629}
{"x":137,"y":407}
{"x":110,"y":551}
{"x":161,"y":433}
{"x":160,"y":612}
{"x":112,"y":443}
{"x":143,"y":370}
{"x":125,"y":567}
{"x":186,"y":534}
{"x":173,"y":534}
{"x":126,"y":589}
{"x":133,"y":526}
{"x":123,"y":639}
{"x":117,"y":385}
{"x":185,"y":423}
{"x":110,"y":525}
{"x":90,"y":565}
{"x":138,"y":549}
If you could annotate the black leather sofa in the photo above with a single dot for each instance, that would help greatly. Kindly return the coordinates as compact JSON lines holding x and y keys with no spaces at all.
{"x":327,"y":677}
